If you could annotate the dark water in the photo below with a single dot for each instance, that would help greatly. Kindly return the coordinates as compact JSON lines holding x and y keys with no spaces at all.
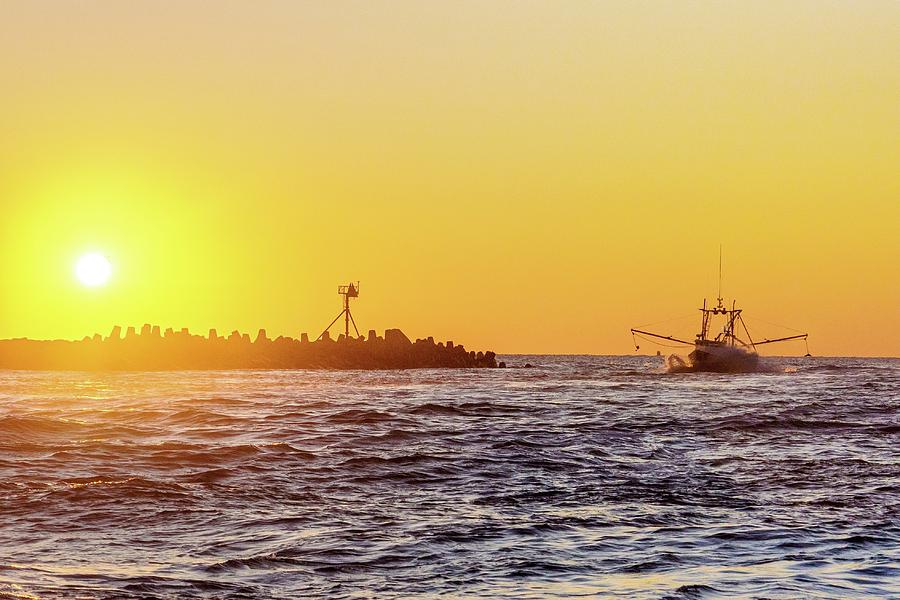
{"x":592,"y":476}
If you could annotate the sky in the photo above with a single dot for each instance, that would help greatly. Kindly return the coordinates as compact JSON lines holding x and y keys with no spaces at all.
{"x":516,"y":176}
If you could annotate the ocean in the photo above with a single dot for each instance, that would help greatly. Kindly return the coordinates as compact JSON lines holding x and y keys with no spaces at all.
{"x":583,"y":476}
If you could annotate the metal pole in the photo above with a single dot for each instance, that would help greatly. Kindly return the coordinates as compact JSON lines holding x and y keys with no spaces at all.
{"x":355,"y":328}
{"x":330,"y":325}
{"x":346,"y":316}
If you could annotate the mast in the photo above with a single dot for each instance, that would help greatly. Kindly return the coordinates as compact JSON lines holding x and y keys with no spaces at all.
{"x":731,"y":315}
{"x":719,"y":297}
{"x":704,"y":328}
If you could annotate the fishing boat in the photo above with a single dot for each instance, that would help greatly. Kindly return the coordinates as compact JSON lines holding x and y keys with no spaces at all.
{"x":731,"y":350}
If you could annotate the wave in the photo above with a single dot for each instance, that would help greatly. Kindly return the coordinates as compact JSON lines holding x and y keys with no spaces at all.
{"x":407,"y":483}
{"x":380,"y":461}
{"x":28,"y":425}
{"x":361,"y":416}
{"x":691,"y":592}
{"x":466,"y":409}
{"x":774,"y":422}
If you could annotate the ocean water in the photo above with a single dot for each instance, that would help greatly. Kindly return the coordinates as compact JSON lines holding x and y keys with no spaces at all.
{"x":582,"y":476}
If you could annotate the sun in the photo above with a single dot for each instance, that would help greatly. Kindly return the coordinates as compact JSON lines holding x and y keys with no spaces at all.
{"x":93,"y":269}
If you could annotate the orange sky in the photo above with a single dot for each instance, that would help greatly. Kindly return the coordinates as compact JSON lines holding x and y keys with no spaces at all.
{"x":521,"y":176}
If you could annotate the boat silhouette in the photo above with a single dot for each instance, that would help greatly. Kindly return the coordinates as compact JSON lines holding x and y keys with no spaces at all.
{"x":730,"y":350}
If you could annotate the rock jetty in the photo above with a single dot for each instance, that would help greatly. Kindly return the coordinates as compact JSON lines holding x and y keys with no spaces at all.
{"x":153,"y":350}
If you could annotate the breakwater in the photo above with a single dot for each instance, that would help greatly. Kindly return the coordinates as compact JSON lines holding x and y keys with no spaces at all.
{"x":153,"y":350}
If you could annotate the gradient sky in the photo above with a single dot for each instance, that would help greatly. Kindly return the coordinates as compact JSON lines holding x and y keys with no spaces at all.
{"x":520,"y":176}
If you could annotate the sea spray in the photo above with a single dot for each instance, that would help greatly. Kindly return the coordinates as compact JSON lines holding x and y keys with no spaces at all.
{"x":728,"y":360}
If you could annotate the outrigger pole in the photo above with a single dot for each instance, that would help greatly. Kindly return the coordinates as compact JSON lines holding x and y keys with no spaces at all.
{"x":802,"y":336}
{"x":663,"y":337}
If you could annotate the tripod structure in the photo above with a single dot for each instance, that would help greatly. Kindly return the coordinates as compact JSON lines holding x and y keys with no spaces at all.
{"x":347,"y":291}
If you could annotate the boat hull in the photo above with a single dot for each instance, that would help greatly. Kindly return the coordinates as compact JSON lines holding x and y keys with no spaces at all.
{"x":723,"y":359}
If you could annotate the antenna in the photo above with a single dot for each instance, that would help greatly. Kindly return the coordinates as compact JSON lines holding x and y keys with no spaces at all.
{"x":347,"y":291}
{"x":720,"y":276}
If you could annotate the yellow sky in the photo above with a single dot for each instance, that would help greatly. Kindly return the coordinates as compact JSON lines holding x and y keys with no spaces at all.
{"x":521,"y":176}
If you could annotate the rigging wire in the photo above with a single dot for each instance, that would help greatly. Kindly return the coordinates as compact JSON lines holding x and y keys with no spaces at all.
{"x":805,"y":340}
{"x":754,"y":319}
{"x":664,"y":321}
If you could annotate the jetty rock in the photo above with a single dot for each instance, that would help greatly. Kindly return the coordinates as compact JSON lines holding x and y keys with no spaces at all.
{"x":181,"y":350}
